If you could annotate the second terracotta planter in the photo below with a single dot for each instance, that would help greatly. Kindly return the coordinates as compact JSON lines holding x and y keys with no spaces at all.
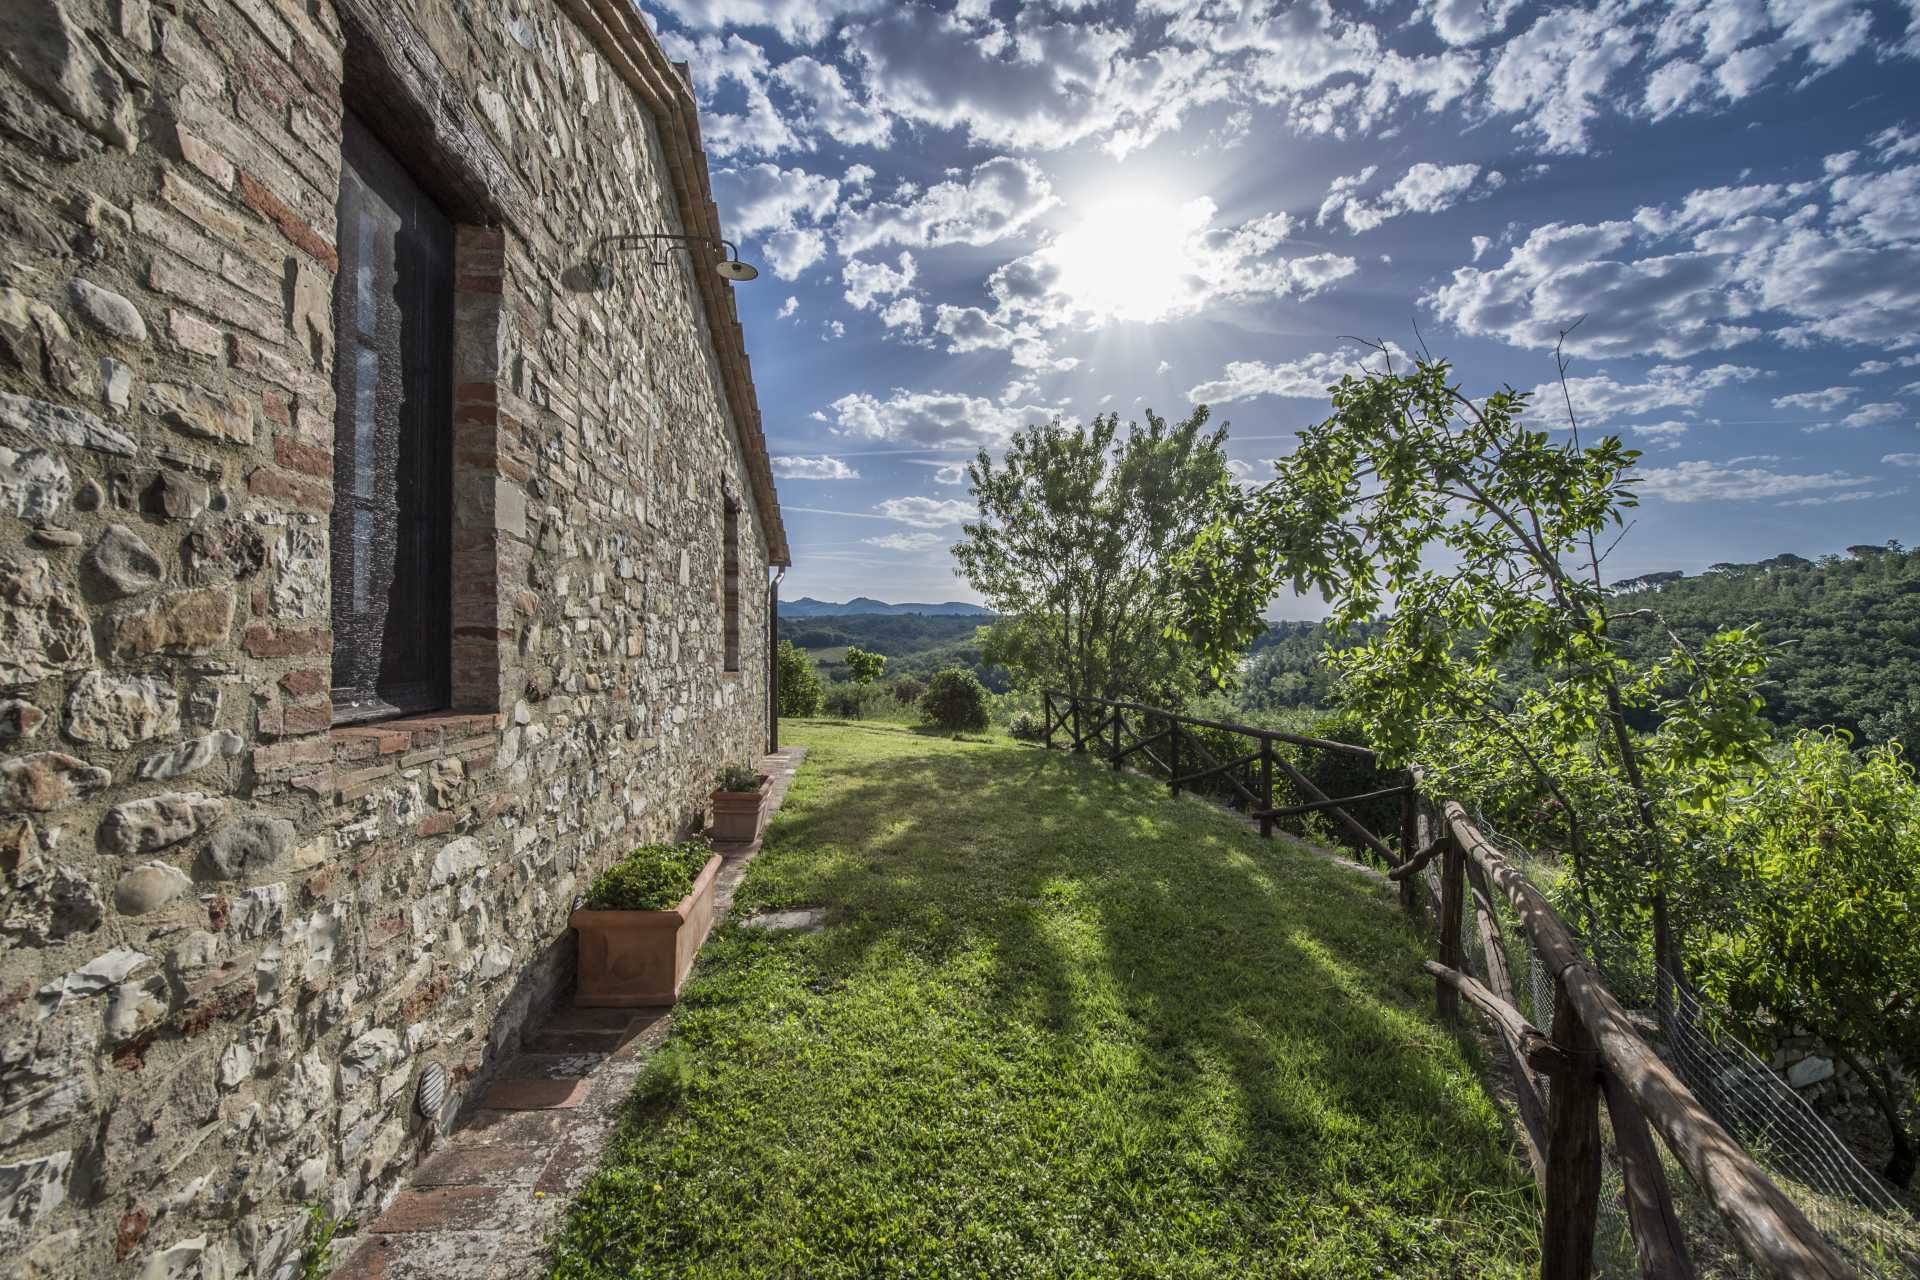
{"x":737,"y":815}
{"x":630,"y":959}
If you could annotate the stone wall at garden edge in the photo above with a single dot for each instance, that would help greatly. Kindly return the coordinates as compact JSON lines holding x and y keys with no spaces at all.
{"x":237,"y":936}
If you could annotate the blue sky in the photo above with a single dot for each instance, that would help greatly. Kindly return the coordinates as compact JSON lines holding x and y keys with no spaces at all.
{"x":973,"y":216}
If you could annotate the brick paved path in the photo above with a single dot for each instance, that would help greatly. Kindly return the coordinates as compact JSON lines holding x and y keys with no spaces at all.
{"x":482,"y":1206}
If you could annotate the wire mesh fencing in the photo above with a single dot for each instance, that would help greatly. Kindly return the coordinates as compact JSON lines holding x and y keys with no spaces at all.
{"x":1801,"y":1153}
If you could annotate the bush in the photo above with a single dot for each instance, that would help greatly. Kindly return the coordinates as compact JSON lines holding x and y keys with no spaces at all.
{"x":849,"y":701}
{"x":740,"y":777}
{"x":863,"y":666}
{"x":955,"y":701}
{"x":653,"y":877}
{"x":799,"y":682}
{"x":907,"y":691}
{"x":1025,"y":726}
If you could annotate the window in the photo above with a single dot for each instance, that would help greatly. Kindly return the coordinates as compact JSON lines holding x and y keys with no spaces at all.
{"x":730,"y":600}
{"x":392,"y":471}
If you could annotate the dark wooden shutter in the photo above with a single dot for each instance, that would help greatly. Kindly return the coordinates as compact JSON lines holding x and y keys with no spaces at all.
{"x":392,"y":437}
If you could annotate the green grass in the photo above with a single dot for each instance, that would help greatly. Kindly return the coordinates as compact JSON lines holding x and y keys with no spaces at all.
{"x":1058,"y":1025}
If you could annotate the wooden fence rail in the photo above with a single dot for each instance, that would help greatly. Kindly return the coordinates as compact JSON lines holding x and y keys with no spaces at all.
{"x":1593,"y":1050}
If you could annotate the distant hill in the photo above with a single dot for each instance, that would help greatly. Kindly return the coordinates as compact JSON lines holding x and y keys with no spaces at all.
{"x":1843,"y":632}
{"x":808,"y":607}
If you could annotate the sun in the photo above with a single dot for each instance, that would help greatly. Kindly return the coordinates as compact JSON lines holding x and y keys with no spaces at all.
{"x":1132,"y":258}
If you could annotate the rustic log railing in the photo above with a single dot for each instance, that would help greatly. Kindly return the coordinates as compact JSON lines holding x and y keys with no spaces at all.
{"x":1593,"y":1051}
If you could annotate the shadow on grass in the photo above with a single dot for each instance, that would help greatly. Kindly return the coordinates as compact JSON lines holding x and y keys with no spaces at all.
{"x":1056,"y":1017}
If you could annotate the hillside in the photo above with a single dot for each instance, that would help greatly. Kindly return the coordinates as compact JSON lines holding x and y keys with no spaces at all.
{"x":808,"y":607}
{"x":915,"y":644}
{"x":1844,"y":631}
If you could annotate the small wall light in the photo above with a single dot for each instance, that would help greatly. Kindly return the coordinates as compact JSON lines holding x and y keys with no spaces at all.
{"x":597,"y":272}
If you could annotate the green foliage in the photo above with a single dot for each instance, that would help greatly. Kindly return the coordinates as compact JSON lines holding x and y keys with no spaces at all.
{"x":857,"y":702}
{"x":907,"y":691}
{"x":1057,"y":1025}
{"x":1025,"y":726}
{"x":865,"y":667}
{"x":799,"y":682}
{"x":654,"y":877}
{"x":322,"y":1229}
{"x":954,"y":701}
{"x":1073,"y":547}
{"x":740,"y":777}
{"x":1814,"y":918}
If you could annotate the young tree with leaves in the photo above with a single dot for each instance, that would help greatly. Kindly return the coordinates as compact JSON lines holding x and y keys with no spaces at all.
{"x":865,"y":667}
{"x":1074,"y":545}
{"x":1483,"y":534}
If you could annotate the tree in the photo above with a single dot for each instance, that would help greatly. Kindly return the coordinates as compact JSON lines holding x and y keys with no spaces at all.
{"x":799,"y":682}
{"x":1485,"y":534}
{"x":1073,"y":547}
{"x":954,"y":701}
{"x":864,"y":666}
{"x":1818,"y":924}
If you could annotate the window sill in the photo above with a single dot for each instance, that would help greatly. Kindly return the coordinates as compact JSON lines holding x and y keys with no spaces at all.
{"x":366,"y":755}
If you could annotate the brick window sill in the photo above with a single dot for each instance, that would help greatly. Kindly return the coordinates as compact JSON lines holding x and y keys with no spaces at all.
{"x":364,"y":755}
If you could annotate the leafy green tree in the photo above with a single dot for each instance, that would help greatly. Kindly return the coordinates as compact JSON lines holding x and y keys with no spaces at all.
{"x":954,"y":701}
{"x":1485,"y":535}
{"x":865,"y":666}
{"x":1073,"y":547}
{"x":799,"y":682}
{"x":1817,"y":923}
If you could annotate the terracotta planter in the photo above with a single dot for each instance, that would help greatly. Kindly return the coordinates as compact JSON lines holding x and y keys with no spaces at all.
{"x":637,"y":958}
{"x":737,"y":815}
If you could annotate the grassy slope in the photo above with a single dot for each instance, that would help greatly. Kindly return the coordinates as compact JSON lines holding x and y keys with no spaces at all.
{"x":1059,"y":1026}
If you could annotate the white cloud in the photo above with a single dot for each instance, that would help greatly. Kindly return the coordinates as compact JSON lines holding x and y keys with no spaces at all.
{"x":1306,"y":378}
{"x":797,"y":21}
{"x":790,"y":253}
{"x":1869,"y":415}
{"x":795,"y":467}
{"x":956,"y":473}
{"x":931,"y":418}
{"x":1823,"y":401}
{"x":1468,"y":21}
{"x":1031,"y":84}
{"x":1599,"y":399}
{"x":867,"y":282}
{"x":903,"y":313}
{"x":758,"y":127}
{"x":906,"y":541}
{"x":1902,"y":459}
{"x":829,"y":107}
{"x":1702,"y":481}
{"x":787,"y":308}
{"x":927,"y":513}
{"x":765,"y":197}
{"x":1000,"y":197}
{"x":1852,"y":495}
{"x":1424,"y":188}
{"x":1554,"y":75}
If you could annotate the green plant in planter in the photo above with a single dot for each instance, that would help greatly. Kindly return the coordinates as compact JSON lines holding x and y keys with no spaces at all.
{"x":653,"y":877}
{"x":739,"y":777}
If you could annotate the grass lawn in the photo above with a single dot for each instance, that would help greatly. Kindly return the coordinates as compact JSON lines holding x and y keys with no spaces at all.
{"x":1058,"y":1025}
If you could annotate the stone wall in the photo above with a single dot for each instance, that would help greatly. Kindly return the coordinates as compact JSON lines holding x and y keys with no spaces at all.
{"x":233,"y":940}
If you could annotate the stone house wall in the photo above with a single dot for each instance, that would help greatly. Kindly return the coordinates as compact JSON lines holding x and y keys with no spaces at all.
{"x":234,"y":940}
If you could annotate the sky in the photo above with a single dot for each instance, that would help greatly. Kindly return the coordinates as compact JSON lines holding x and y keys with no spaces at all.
{"x":973,"y":216}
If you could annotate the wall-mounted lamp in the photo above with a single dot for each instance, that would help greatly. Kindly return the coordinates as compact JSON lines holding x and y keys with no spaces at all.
{"x":597,"y":272}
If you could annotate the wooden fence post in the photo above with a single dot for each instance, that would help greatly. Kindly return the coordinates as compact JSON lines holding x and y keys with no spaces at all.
{"x":1572,"y":1189}
{"x":1266,"y":786}
{"x":1409,"y":843}
{"x":1079,"y":743}
{"x":1173,"y":755}
{"x":1453,"y":877}
{"x":1116,"y":737}
{"x":1046,"y":700}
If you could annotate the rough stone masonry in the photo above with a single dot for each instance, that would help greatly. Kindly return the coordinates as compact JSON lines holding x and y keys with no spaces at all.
{"x":235,"y":938}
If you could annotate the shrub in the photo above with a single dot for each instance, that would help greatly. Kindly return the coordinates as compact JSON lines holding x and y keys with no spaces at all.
{"x":955,"y":701}
{"x":739,"y":777}
{"x":849,"y":701}
{"x":799,"y":682}
{"x":653,"y":877}
{"x":865,"y":667}
{"x":1025,"y":726}
{"x":907,"y":691}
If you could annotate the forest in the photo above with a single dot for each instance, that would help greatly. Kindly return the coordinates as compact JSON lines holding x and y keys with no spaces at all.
{"x":1842,"y":632}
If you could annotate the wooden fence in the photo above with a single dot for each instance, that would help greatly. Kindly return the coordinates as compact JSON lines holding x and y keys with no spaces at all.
{"x":1594,"y":1050}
